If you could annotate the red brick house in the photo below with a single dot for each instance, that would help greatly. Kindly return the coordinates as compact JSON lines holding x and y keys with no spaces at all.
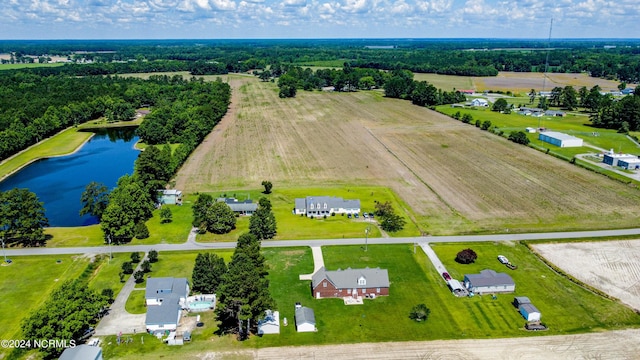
{"x":350,"y":282}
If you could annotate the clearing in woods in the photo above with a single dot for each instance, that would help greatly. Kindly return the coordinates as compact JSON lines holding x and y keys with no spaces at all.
{"x":454,"y":177}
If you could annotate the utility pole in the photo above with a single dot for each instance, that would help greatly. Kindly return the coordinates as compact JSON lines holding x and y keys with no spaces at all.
{"x":4,"y":252}
{"x":366,"y":237}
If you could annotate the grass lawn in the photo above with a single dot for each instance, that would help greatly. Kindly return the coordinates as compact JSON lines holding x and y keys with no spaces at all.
{"x":63,"y":143}
{"x":576,"y":125}
{"x":135,"y":302}
{"x":175,"y":232}
{"x":565,"y":307}
{"x":74,"y":236}
{"x":108,"y":274}
{"x":179,"y":264}
{"x":33,"y":65}
{"x":27,"y":283}
{"x":292,"y":226}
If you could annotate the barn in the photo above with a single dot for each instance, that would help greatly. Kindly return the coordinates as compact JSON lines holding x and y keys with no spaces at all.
{"x":560,"y":139}
{"x":529,"y":312}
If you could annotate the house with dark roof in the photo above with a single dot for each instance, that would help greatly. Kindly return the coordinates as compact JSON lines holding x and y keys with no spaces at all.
{"x":488,"y":281}
{"x":165,"y":299}
{"x":245,"y":207}
{"x":315,"y":206}
{"x":365,"y":282}
{"x":305,"y":319}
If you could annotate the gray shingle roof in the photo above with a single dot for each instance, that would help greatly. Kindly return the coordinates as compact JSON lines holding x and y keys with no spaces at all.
{"x":522,"y":300}
{"x":81,"y":352}
{"x":529,"y":308}
{"x":165,"y":285}
{"x":332,"y":202}
{"x":305,"y":315}
{"x":165,"y":313}
{"x":489,"y":278}
{"x":348,"y":279}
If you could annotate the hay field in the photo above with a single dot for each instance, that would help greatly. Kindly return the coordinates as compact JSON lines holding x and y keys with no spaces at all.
{"x":454,"y":177}
{"x":516,"y":82}
{"x":610,"y":266}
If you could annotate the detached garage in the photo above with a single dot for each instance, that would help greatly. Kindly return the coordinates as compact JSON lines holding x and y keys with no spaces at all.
{"x":529,"y":312}
{"x":560,"y":139}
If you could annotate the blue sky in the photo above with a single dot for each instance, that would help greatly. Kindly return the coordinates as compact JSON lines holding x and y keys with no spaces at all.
{"x":229,"y":19}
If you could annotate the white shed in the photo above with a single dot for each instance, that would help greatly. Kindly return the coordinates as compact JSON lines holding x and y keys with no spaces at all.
{"x":305,"y":319}
{"x":529,"y":312}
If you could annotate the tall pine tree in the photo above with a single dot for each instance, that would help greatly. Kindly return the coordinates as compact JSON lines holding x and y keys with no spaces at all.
{"x":244,"y":294}
{"x":262,"y":223}
{"x":208,"y":271}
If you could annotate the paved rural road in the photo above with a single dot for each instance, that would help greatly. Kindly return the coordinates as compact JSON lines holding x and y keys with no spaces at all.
{"x":191,"y":244}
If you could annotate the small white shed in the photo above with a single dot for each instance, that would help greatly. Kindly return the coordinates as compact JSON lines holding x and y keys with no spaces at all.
{"x":529,"y":312}
{"x":305,"y":319}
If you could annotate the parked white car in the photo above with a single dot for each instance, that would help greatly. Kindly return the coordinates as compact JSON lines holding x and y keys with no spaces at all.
{"x":502,"y":259}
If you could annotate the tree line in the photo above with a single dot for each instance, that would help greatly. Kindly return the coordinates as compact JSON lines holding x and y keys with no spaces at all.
{"x":396,"y":84}
{"x":468,"y":57}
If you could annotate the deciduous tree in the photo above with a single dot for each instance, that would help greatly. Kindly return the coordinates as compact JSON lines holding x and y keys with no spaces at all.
{"x":68,"y":312}
{"x":22,"y":217}
{"x":420,"y":313}
{"x":94,"y":199}
{"x":220,"y":219}
{"x":466,"y":256}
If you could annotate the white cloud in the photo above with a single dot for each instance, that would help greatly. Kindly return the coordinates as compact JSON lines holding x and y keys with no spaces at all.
{"x":355,"y":6}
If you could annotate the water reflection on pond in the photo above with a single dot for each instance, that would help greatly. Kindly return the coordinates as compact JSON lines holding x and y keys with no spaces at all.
{"x":58,"y":182}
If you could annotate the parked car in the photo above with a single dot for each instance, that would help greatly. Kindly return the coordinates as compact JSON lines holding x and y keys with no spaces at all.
{"x":446,"y":276}
{"x":371,"y":215}
{"x":502,"y":259}
{"x":87,"y":334}
{"x":365,"y":215}
{"x":349,"y":216}
{"x":355,"y":215}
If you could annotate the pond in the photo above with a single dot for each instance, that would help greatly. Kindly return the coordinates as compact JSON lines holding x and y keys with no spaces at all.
{"x":59,"y":182}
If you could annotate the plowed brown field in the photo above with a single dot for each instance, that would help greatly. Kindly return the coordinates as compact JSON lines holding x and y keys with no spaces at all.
{"x":454,"y":177}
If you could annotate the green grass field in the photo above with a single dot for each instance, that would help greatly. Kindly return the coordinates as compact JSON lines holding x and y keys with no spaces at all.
{"x":65,"y":142}
{"x":74,"y":236}
{"x":108,"y":274}
{"x":135,"y":303}
{"x":292,"y":226}
{"x":23,"y":66}
{"x":27,"y":283}
{"x":566,"y":307}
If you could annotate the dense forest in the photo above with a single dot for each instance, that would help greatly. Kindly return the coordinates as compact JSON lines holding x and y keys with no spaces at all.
{"x":615,"y":59}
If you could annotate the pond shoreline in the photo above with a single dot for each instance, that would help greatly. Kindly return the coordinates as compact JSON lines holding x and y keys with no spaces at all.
{"x":88,"y":129}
